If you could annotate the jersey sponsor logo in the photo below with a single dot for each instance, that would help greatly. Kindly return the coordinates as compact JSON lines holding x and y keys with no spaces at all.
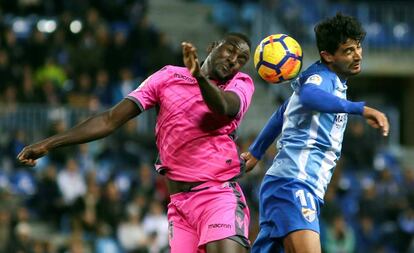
{"x":219,"y":225}
{"x":308,"y":214}
{"x":340,"y":119}
{"x":314,"y":79}
{"x":184,"y":77}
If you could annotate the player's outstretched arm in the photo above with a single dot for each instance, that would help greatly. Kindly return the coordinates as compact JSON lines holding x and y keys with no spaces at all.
{"x":91,"y":129}
{"x":376,"y":119}
{"x":218,"y":101}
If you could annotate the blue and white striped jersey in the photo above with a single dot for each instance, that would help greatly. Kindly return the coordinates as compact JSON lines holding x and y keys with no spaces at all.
{"x":311,"y":141}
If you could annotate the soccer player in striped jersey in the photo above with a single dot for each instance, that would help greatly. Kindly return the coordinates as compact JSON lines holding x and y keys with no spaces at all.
{"x":199,"y":110}
{"x":311,"y":123}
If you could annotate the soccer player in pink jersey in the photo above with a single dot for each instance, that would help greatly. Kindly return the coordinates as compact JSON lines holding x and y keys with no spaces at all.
{"x":199,"y":110}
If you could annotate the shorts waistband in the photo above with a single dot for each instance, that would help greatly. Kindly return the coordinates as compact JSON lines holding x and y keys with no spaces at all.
{"x":178,"y":186}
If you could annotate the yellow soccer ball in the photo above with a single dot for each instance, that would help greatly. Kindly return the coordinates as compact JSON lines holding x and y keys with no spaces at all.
{"x":278,"y":58}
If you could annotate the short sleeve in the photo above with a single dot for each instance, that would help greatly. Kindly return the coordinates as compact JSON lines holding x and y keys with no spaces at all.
{"x":243,"y":86}
{"x":146,"y":95}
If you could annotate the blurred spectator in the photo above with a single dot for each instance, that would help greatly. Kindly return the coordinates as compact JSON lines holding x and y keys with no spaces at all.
{"x":84,"y":208}
{"x":71,"y":182}
{"x":102,"y":87}
{"x":5,"y":71}
{"x":22,"y":242}
{"x":368,"y":235}
{"x":154,"y":223}
{"x":358,"y":150}
{"x":28,"y":93}
{"x":131,"y":234}
{"x":119,"y":55}
{"x":125,"y":85}
{"x":145,"y":181}
{"x":369,"y":203}
{"x":85,"y":158}
{"x":406,"y":227}
{"x":88,"y":56}
{"x":48,"y":198}
{"x":105,"y":242}
{"x":391,"y":194}
{"x":5,"y":229}
{"x":340,"y":237}
{"x":37,"y":49}
{"x":110,"y":207}
{"x":75,"y":245}
{"x":80,"y":95}
{"x":51,"y":72}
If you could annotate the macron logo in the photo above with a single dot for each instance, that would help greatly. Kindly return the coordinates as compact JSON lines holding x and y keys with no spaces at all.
{"x":219,"y":225}
{"x":186,"y":78}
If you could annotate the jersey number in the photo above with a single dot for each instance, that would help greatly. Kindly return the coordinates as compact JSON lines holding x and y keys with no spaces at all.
{"x":302,"y":198}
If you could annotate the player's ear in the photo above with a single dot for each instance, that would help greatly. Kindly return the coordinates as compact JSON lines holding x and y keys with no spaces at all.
{"x":326,"y":56}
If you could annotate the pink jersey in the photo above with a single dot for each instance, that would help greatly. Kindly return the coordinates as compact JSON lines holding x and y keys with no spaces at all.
{"x":194,"y":143}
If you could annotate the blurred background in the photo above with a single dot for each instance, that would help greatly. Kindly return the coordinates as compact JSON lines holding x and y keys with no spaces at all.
{"x":61,"y":61}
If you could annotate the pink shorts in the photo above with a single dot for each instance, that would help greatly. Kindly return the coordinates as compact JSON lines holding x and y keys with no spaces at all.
{"x":209,"y":212}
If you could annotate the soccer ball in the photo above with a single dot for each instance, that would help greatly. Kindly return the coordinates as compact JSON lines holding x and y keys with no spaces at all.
{"x":278,"y":58}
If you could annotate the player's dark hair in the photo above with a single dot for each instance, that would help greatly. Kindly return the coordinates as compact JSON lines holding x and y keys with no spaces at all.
{"x":228,"y":36}
{"x":332,"y":32}
{"x":240,"y":36}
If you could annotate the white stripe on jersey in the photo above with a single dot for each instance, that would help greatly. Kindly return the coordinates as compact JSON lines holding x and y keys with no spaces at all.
{"x":304,"y":154}
{"x":325,"y":173}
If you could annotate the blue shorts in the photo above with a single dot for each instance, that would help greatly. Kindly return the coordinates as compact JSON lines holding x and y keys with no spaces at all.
{"x":286,"y":205}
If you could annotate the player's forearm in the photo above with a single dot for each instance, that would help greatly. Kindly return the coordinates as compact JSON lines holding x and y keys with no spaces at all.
{"x":217,"y":100}
{"x":91,"y":129}
{"x":319,"y":100}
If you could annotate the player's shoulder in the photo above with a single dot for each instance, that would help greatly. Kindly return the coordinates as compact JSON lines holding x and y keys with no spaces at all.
{"x":172,"y":69}
{"x":316,"y":74}
{"x":243,"y":77}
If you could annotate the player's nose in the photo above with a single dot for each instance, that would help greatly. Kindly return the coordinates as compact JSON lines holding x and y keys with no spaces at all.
{"x":232,"y":59}
{"x":358,"y":55}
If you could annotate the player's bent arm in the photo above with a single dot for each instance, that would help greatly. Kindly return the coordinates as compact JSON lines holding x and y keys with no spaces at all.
{"x":219,"y":101}
{"x":319,"y":100}
{"x":96,"y":127}
{"x":269,"y":133}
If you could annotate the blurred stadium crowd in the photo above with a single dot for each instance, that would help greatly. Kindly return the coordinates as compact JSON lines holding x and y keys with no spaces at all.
{"x":105,"y":196}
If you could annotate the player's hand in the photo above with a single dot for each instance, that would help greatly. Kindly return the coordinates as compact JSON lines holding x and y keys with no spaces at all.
{"x":377,"y":119}
{"x":190,"y":58}
{"x":251,"y":161}
{"x":31,"y":153}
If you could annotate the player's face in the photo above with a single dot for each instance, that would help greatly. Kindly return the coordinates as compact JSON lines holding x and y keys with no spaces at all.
{"x":347,"y":58}
{"x":227,"y":58}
